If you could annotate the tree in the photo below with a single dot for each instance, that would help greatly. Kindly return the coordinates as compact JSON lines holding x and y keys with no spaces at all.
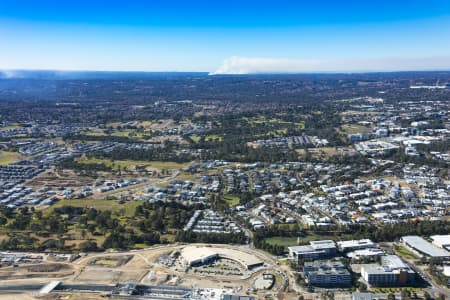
{"x":404,"y":294}
{"x":88,"y":246}
{"x":362,"y":287}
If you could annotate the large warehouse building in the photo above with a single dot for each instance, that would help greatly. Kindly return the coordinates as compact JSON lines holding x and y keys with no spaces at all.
{"x":423,"y":247}
{"x":442,"y":241}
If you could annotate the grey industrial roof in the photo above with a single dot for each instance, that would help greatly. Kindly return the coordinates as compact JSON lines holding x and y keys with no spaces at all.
{"x":324,"y":244}
{"x":425,"y":247}
{"x":304,"y":248}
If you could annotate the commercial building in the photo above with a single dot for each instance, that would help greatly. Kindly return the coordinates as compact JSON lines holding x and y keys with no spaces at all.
{"x":327,"y":274}
{"x":421,"y":247}
{"x":392,"y":272}
{"x":346,"y":246}
{"x":305,"y":253}
{"x":442,"y":241}
{"x":363,"y":253}
{"x":195,"y":256}
{"x":328,"y":246}
{"x":315,"y":250}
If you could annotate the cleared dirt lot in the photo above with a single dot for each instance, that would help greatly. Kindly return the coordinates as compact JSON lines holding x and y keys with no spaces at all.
{"x":17,"y":296}
{"x":45,"y":270}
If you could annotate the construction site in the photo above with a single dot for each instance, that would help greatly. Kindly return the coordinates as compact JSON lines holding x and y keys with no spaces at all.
{"x":160,"y":272}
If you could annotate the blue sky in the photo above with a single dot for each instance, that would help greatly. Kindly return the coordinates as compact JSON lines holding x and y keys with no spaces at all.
{"x":225,"y":36}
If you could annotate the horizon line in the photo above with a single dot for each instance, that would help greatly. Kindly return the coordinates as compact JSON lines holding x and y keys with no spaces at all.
{"x":3,"y":71}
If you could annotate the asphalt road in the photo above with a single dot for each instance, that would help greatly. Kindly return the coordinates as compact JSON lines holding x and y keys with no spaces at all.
{"x":434,"y":289}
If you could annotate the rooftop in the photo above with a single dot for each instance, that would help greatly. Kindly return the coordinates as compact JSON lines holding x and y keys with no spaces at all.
{"x":326,"y":267}
{"x":365,"y":252}
{"x":197,"y":253}
{"x":425,"y":247}
{"x":355,"y":243}
{"x":393,"y":261}
{"x":324,"y":244}
{"x":193,"y":253}
{"x":390,"y":264}
{"x":302,"y":249}
{"x":442,"y":240}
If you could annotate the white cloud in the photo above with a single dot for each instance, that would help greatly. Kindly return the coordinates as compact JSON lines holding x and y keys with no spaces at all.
{"x":255,"y":65}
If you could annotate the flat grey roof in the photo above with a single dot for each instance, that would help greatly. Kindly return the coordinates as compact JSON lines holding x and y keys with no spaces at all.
{"x":425,"y":247}
{"x":355,"y":243}
{"x":302,"y":249}
{"x":441,"y":239}
{"x":324,"y":244}
{"x":393,"y":261}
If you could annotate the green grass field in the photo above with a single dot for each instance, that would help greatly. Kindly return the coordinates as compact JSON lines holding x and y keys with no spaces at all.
{"x":255,"y":120}
{"x":13,"y":126}
{"x":276,"y":133}
{"x":231,"y":200}
{"x":353,"y":128}
{"x":186,"y":176}
{"x":261,"y":119}
{"x":7,"y":157}
{"x":106,"y":262}
{"x":403,"y":252}
{"x":213,"y":137}
{"x":195,"y":138}
{"x":132,"y":163}
{"x":282,"y":241}
{"x":122,"y":133}
{"x":279,"y":121}
{"x":128,"y":208}
{"x":167,"y":165}
{"x":140,"y":246}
